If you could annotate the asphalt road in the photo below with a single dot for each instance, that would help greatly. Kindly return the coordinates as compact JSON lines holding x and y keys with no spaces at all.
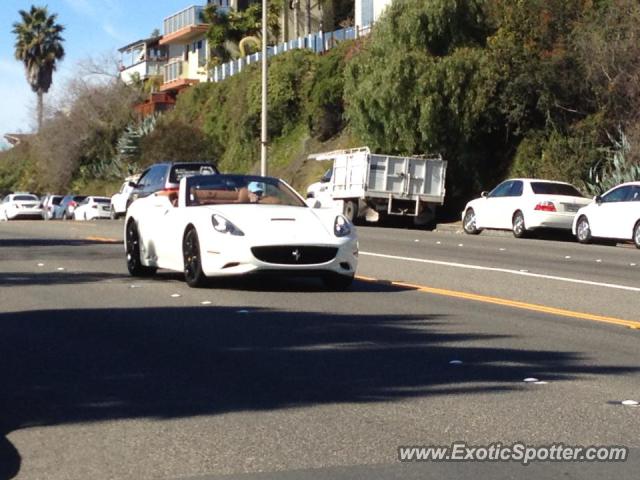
{"x":105,"y":376}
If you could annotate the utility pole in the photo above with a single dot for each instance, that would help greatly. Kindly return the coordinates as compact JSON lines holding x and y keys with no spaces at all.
{"x":264,"y":138}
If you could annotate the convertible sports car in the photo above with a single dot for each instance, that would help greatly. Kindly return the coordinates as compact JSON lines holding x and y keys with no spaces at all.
{"x":224,"y":225}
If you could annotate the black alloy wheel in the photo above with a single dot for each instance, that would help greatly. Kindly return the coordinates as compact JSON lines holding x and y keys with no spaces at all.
{"x":134,"y":264}
{"x":193,"y":274}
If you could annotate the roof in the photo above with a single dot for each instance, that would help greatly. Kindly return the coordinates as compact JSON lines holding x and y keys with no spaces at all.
{"x":138,"y":42}
{"x":16,"y":138}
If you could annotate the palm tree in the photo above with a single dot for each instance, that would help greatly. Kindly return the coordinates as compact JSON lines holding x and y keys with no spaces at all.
{"x":38,"y":46}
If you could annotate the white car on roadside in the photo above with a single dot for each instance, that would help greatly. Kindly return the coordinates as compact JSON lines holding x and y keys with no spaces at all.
{"x":119,"y":200}
{"x":20,"y":205}
{"x":92,"y":208}
{"x":614,"y":215}
{"x":232,"y":225}
{"x":523,"y":205}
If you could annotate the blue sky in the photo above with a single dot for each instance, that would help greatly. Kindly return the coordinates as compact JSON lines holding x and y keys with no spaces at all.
{"x":93,"y":28}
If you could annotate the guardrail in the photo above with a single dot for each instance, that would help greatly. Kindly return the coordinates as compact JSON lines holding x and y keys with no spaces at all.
{"x":317,"y":42}
{"x":184,"y":18}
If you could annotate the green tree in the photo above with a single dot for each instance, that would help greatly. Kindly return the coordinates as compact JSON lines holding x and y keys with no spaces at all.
{"x":38,"y":46}
{"x":423,"y":83}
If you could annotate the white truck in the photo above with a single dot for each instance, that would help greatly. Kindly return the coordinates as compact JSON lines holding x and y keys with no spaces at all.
{"x":370,"y":186}
{"x":119,"y":200}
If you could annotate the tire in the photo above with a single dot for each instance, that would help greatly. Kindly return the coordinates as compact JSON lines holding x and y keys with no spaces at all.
{"x":132,"y":243}
{"x":350,"y":210}
{"x":337,"y":282}
{"x":636,"y":234}
{"x":469,"y":223}
{"x":112,"y":214}
{"x":85,"y":216}
{"x":519,"y":229}
{"x":583,"y":230}
{"x":193,"y":274}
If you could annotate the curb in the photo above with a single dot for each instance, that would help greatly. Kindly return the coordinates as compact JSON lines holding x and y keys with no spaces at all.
{"x":456,"y":228}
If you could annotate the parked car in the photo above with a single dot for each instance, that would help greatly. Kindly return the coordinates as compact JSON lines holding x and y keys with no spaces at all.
{"x":226,"y":225}
{"x":119,"y":201}
{"x":67,"y":205}
{"x":523,"y":205}
{"x":92,"y":208}
{"x":615,"y":215}
{"x":167,"y":176}
{"x":49,"y":203}
{"x":20,"y":205}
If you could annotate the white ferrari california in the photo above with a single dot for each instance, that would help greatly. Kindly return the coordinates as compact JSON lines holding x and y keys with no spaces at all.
{"x":224,"y":225}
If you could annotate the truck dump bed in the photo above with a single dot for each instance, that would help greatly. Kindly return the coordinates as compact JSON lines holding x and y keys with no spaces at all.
{"x":358,"y":173}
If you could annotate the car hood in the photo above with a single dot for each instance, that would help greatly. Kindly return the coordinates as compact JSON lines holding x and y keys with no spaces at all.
{"x":274,"y":224}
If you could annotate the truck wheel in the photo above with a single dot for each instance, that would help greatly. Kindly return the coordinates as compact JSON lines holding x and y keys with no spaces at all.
{"x":350,"y":210}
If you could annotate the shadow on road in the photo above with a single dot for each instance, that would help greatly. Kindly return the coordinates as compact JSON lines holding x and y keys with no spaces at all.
{"x":75,"y":366}
{"x":21,"y":279}
{"x":53,"y":242}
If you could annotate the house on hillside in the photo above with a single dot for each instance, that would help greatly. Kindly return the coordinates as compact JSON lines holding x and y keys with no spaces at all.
{"x":184,"y":37}
{"x":368,"y":11}
{"x":142,"y":60}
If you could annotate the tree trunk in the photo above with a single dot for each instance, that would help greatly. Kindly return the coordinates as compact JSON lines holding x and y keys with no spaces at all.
{"x":40,"y":109}
{"x":308,"y":17}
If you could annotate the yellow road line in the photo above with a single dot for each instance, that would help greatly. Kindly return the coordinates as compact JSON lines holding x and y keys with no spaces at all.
{"x":103,"y":240}
{"x":510,"y":303}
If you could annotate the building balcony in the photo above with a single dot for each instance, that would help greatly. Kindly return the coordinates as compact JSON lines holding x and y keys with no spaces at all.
{"x":184,"y":26}
{"x":175,"y":77}
{"x":142,"y":70}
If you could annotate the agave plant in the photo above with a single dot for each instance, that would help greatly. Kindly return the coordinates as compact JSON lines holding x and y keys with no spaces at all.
{"x":127,"y":151}
{"x":616,"y":168}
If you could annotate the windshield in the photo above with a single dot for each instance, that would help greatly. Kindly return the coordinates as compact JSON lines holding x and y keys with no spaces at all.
{"x":546,"y":188}
{"x":240,"y":189}
{"x":25,"y":198}
{"x":178,"y":172}
{"x":102,"y":200}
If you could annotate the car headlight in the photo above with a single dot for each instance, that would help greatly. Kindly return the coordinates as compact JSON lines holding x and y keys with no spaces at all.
{"x":222,"y":225}
{"x":341,"y":226}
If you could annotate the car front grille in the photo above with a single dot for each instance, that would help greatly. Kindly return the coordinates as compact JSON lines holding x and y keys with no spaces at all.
{"x":295,"y":255}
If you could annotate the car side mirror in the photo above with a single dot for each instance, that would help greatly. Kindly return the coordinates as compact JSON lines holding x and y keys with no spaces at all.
{"x":598,"y":199}
{"x":133,"y":184}
{"x":484,"y":194}
{"x":313,"y":203}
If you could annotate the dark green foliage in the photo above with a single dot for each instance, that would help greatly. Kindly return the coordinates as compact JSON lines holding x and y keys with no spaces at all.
{"x":174,"y":140}
{"x":325,"y":109}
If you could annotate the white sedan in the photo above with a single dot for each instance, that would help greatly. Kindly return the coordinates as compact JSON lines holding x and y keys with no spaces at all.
{"x":92,"y":208}
{"x":614,"y":215}
{"x":20,"y":205}
{"x":226,"y":225}
{"x":522,"y":205}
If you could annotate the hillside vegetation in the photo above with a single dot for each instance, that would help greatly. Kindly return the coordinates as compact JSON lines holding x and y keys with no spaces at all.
{"x":547,"y":88}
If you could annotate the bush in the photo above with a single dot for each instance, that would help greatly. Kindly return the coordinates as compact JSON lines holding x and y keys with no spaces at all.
{"x":176,"y":141}
{"x":325,"y":106}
